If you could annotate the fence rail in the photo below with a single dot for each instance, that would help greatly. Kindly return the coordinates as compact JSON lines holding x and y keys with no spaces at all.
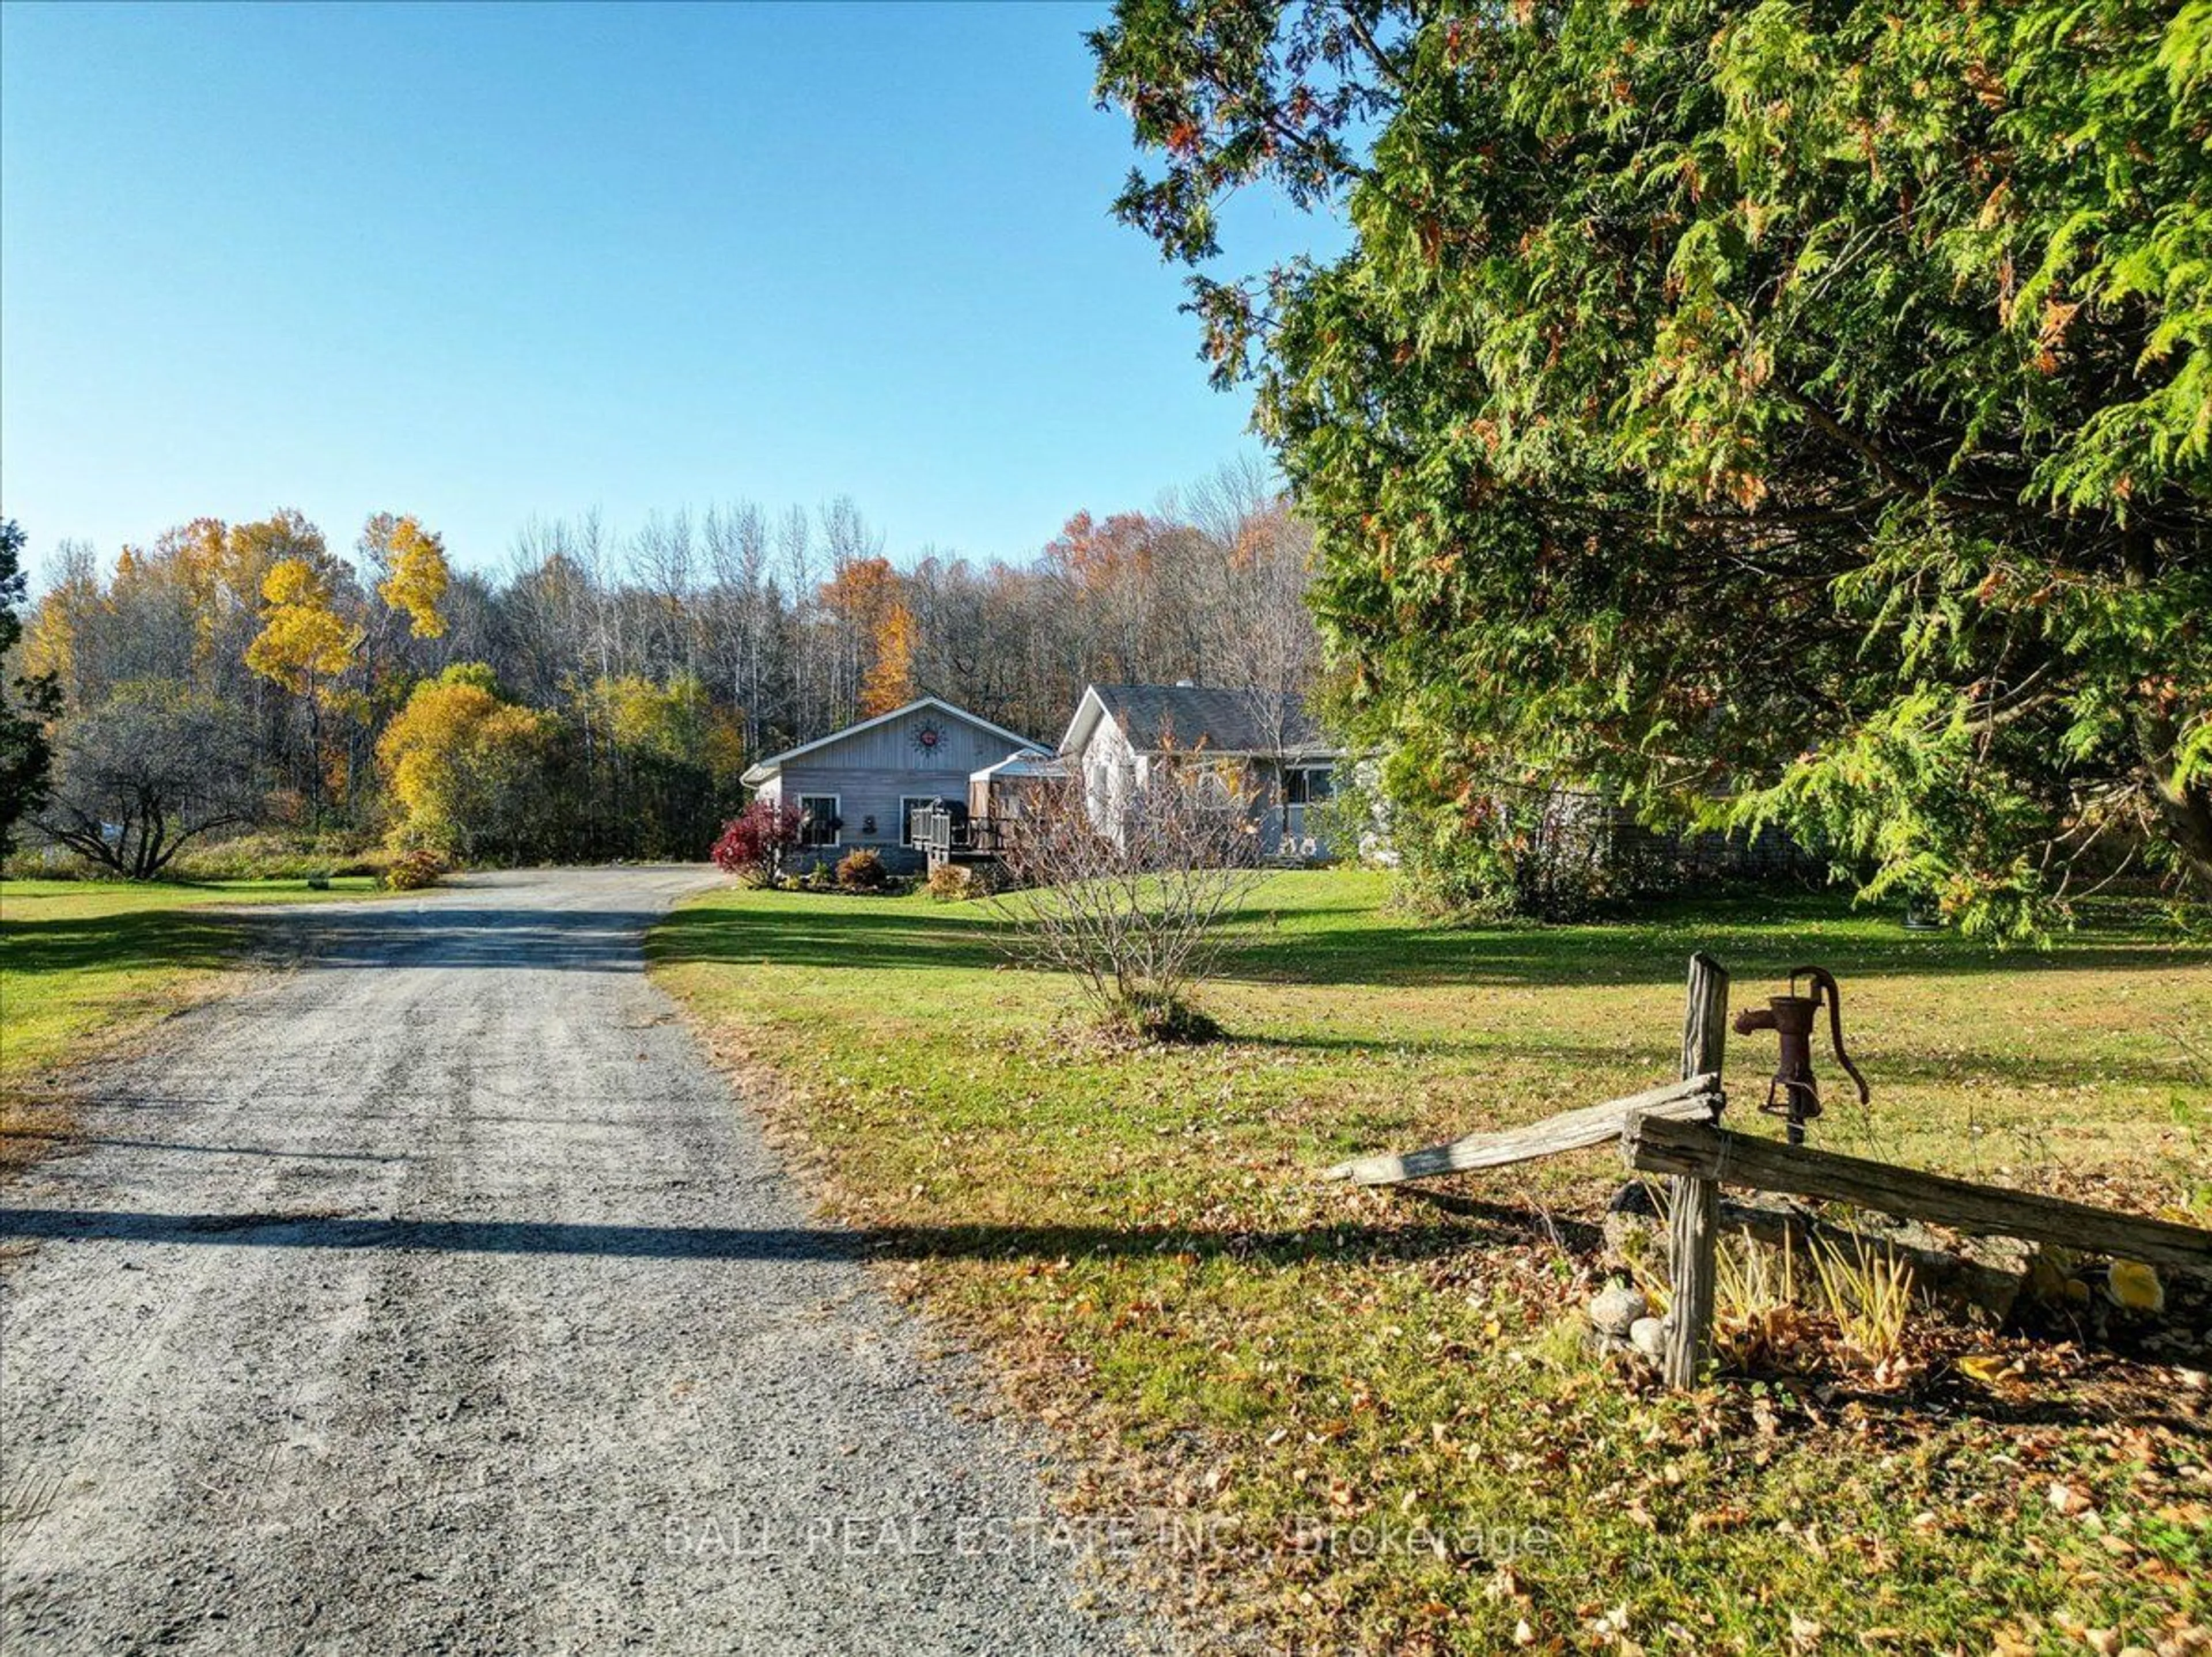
{"x":1700,"y":1151}
{"x":1672,"y":1130}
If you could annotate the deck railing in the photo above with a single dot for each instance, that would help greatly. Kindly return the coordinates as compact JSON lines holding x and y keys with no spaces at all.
{"x":945,"y":831}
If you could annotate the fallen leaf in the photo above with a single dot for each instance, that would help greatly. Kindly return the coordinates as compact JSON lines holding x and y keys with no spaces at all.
{"x":1989,"y":1367}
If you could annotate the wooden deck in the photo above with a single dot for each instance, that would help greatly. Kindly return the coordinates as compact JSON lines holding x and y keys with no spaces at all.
{"x":946,"y":834}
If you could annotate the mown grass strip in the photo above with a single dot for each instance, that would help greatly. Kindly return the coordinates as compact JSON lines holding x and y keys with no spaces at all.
{"x":1375,"y":1400}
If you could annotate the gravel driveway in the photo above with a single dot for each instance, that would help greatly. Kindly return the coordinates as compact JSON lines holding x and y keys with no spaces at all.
{"x":435,"y":1296}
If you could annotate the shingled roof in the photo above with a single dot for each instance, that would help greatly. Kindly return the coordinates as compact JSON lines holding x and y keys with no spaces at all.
{"x":1218,"y":719}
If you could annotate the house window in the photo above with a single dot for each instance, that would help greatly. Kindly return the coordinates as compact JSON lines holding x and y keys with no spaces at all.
{"x":908,"y":804}
{"x":817,"y":820}
{"x":1306,"y":784}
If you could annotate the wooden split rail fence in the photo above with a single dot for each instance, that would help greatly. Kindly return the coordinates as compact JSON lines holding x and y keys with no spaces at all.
{"x":1674,"y":1131}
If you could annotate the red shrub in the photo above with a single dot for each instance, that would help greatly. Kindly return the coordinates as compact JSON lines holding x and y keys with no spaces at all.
{"x":755,"y":842}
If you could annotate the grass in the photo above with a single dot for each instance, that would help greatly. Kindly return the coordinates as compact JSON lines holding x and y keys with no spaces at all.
{"x":87,"y":965}
{"x":1374,"y":1402}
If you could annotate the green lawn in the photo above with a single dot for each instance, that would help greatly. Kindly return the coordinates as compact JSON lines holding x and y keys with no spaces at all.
{"x":86,"y":964}
{"x":1138,"y":1239}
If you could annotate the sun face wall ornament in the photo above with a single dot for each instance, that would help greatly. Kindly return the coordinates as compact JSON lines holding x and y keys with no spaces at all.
{"x":927,"y":737}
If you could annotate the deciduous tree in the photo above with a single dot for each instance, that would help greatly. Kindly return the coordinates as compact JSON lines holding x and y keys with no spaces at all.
{"x":889,"y":682}
{"x":303,"y":645}
{"x":149,"y":770}
{"x":414,"y":576}
{"x":467,"y":768}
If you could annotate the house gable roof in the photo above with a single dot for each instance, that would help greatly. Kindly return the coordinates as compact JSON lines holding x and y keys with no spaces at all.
{"x":1216,"y":718}
{"x":761,"y":770}
{"x":1027,"y":763}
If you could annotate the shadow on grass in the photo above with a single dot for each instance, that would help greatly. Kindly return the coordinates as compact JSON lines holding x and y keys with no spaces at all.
{"x":1361,"y":947}
{"x":1895,"y":1067}
{"x":189,"y":938}
{"x":1477,"y":1224}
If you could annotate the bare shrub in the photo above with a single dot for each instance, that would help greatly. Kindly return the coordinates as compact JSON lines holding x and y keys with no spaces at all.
{"x":1129,"y":900}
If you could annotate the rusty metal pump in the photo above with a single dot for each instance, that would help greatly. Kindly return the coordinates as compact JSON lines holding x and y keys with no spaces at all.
{"x":1793,"y":1092}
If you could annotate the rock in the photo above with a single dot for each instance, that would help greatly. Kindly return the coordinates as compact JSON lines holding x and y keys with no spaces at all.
{"x":1649,"y":1337}
{"x":2135,"y":1286}
{"x":1615,"y":1308}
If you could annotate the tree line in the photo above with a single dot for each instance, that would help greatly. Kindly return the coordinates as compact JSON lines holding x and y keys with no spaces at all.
{"x":600,"y":694}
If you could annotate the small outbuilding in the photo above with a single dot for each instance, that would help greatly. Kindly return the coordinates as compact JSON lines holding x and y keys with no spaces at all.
{"x":863,"y":786}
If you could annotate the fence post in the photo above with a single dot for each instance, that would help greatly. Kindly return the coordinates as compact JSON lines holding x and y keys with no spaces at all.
{"x":1695,"y":1205}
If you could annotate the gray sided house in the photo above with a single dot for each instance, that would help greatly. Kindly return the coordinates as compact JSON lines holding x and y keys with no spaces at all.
{"x":1120,"y":731}
{"x":861,"y":786}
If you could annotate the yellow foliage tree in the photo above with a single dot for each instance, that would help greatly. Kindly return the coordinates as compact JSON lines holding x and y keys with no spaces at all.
{"x":225,"y":567}
{"x":419,"y":577}
{"x":303,"y":645}
{"x":50,"y":640}
{"x":302,"y":642}
{"x":465,"y":766}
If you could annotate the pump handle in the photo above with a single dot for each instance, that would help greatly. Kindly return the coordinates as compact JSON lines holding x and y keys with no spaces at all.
{"x":1824,"y":980}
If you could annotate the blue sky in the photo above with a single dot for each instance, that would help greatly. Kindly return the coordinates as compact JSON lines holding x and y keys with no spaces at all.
{"x":479,"y":263}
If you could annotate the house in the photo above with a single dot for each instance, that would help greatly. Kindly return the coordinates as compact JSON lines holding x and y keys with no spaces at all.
{"x":1121,"y":732}
{"x":861,"y":786}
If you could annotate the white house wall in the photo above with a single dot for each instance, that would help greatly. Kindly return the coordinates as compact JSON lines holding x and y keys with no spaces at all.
{"x":1111,"y":769}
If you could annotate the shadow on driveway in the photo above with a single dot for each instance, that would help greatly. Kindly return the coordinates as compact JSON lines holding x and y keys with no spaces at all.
{"x":1474,"y":1223}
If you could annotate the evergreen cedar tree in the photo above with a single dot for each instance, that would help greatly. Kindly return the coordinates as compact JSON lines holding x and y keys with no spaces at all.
{"x":1777,"y":412}
{"x":25,"y":704}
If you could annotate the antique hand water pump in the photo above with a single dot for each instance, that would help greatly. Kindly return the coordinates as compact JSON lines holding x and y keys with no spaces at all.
{"x":1793,"y":1092}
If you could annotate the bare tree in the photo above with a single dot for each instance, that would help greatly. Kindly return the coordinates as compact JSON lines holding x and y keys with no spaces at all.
{"x":1133,"y":907}
{"x":147,"y":771}
{"x":1260,"y":636}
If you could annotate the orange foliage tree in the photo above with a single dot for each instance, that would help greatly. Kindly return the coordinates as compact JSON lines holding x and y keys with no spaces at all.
{"x":889,"y":682}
